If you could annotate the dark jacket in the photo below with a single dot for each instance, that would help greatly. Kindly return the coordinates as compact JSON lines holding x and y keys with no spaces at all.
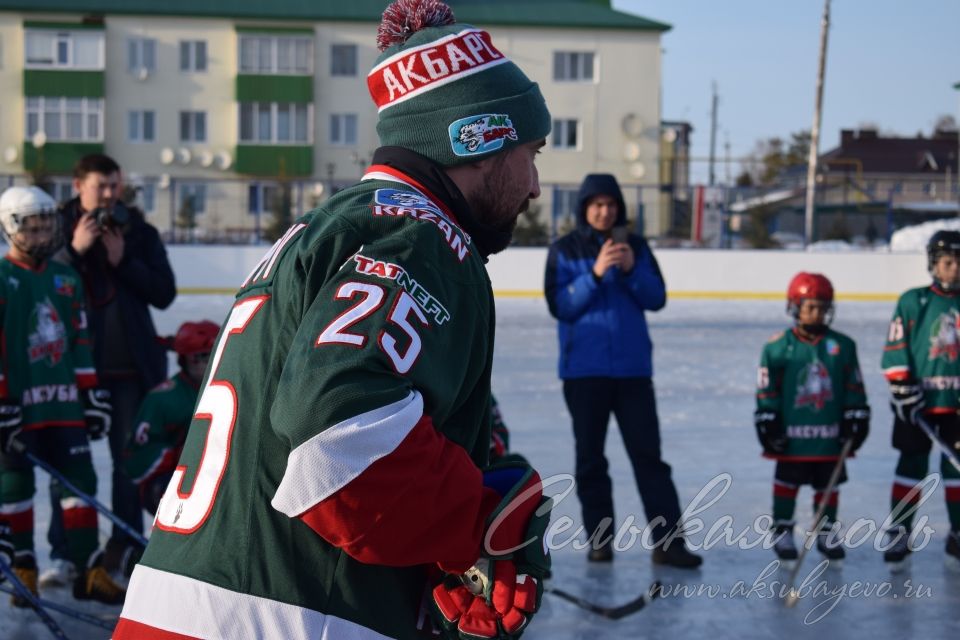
{"x":602,"y":329}
{"x":142,"y":279}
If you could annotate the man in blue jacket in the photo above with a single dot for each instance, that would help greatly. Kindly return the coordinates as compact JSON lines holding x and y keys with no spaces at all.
{"x":600,"y":280}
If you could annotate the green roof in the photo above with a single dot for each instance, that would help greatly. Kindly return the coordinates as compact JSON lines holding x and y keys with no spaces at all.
{"x":586,"y":14}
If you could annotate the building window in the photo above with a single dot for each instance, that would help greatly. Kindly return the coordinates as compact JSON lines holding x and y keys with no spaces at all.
{"x":65,"y":119}
{"x":193,"y":194}
{"x":564,"y":210}
{"x":573,"y":66}
{"x":60,"y":190}
{"x":193,"y":126}
{"x":147,"y":197}
{"x":141,"y":55}
{"x":261,"y":197}
{"x":564,"y":134}
{"x":64,"y":50}
{"x":193,"y":55}
{"x":343,"y":128}
{"x":276,"y":55}
{"x":343,"y":60}
{"x":275,"y":123}
{"x":141,"y":126}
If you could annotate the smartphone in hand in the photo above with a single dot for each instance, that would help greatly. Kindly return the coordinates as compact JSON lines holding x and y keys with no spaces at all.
{"x":619,"y":234}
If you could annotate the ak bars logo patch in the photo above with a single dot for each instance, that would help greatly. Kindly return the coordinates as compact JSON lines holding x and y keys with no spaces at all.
{"x":474,"y":135}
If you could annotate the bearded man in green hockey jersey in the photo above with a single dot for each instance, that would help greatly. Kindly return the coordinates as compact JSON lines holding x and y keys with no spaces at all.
{"x":921,"y":361}
{"x":810,"y":401}
{"x":332,"y":482}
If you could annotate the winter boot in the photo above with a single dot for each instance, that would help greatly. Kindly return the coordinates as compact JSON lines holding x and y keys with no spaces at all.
{"x":25,"y":568}
{"x":60,"y":574}
{"x":603,"y":553}
{"x":674,"y":553}
{"x":783,"y":544}
{"x":953,"y":550}
{"x":898,"y":551}
{"x":96,"y":584}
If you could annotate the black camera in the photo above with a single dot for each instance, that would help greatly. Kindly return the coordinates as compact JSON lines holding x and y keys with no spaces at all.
{"x":111,"y":217}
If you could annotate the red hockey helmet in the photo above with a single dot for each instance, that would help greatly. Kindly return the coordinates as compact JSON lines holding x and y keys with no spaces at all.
{"x":808,"y":286}
{"x":195,"y":337}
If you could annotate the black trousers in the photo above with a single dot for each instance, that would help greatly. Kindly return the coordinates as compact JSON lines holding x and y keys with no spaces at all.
{"x":590,"y":402}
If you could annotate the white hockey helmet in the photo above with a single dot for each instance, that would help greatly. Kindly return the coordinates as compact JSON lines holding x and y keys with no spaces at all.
{"x":19,"y":203}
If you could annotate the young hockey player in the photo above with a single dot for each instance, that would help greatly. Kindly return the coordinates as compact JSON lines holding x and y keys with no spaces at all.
{"x":161,"y":426}
{"x":921,"y":362}
{"x":48,"y":399}
{"x":810,"y":400}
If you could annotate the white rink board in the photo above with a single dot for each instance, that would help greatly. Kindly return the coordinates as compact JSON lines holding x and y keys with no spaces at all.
{"x":689,"y":272}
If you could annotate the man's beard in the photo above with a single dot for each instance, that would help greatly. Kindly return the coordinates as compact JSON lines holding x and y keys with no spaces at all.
{"x":495,"y":214}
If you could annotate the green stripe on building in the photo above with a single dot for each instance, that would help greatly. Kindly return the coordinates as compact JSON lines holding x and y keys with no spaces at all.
{"x":57,"y":157}
{"x":263,"y":88}
{"x":575,"y":14}
{"x":69,"y":84}
{"x":274,"y":160}
{"x":63,"y":26}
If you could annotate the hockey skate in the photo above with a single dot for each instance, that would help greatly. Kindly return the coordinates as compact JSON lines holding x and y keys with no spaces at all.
{"x":94,"y":583}
{"x":830,"y":546}
{"x":897,"y":555}
{"x":784,"y":546}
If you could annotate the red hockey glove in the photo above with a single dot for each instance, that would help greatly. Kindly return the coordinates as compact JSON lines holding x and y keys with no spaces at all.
{"x":497,"y":597}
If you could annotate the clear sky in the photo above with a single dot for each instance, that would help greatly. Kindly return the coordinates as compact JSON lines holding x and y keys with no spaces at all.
{"x":890,"y":63}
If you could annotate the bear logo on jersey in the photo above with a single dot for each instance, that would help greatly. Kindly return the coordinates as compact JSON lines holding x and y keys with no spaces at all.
{"x":814,"y":388}
{"x":47,"y":339}
{"x":943,"y":337}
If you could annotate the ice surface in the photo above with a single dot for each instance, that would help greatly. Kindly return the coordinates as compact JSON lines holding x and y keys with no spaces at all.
{"x":705,"y":358}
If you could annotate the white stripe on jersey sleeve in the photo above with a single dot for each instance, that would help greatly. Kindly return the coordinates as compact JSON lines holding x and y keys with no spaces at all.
{"x":327,"y":462}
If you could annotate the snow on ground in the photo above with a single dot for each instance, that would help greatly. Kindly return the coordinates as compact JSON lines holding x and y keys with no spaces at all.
{"x":915,"y":237}
{"x":705,"y":358}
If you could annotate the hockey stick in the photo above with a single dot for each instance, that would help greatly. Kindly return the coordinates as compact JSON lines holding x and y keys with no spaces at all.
{"x":932,"y":434}
{"x":612,"y":613}
{"x":67,"y":611}
{"x":793,"y":595}
{"x":21,"y":590}
{"x":21,"y":448}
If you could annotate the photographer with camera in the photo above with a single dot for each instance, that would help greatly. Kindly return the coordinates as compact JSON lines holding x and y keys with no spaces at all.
{"x":125,"y":271}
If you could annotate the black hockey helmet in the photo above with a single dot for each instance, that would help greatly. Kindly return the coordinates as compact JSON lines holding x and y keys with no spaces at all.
{"x":941,"y":242}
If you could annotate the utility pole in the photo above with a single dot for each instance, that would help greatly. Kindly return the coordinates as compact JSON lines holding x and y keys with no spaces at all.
{"x":726,"y":149}
{"x":815,"y":129}
{"x":713,"y":134}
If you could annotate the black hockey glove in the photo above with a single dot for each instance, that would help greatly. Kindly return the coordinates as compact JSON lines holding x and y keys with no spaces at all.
{"x":770,"y":431}
{"x":907,"y":401}
{"x":855,"y":425}
{"x":10,"y":418}
{"x":97,"y":409}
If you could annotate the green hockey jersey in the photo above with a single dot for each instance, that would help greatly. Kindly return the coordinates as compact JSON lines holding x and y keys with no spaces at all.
{"x":160,"y":429}
{"x":810,"y":383}
{"x":923,"y":345}
{"x":334,"y":456}
{"x":46,"y":353}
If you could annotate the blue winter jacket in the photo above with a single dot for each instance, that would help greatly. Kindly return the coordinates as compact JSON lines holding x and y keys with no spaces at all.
{"x":602,"y":328}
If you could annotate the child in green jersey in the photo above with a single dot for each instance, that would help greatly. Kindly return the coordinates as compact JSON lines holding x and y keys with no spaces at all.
{"x":810,"y":400}
{"x":49,"y":403}
{"x":921,"y":361}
